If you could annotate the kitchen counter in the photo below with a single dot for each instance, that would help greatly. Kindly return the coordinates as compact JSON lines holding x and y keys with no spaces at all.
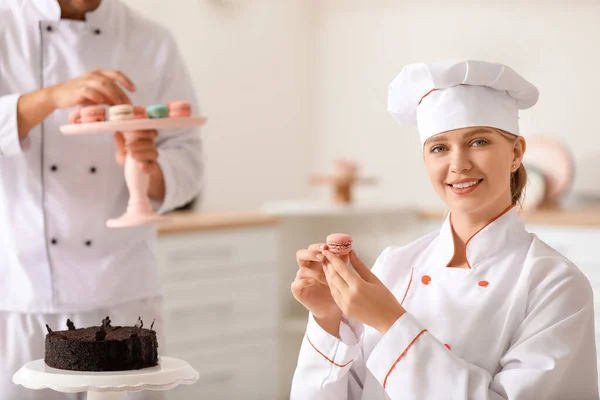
{"x":190,"y":221}
{"x":571,"y":216}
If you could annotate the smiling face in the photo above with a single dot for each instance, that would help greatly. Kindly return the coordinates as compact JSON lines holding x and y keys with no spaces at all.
{"x":470,"y":168}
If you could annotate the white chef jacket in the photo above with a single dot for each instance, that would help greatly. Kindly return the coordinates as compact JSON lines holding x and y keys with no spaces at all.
{"x":57,"y":191}
{"x":518,"y":324}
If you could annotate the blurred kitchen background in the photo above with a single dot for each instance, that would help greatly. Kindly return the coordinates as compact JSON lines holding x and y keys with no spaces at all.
{"x":291,"y":86}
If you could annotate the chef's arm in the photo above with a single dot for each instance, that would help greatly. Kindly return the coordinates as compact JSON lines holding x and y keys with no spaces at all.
{"x":33,"y":108}
{"x":410,"y":363}
{"x":331,"y":367}
{"x":328,"y":367}
{"x":18,"y":115}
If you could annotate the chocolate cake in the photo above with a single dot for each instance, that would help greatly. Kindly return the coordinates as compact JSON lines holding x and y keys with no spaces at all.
{"x":102,"y":348}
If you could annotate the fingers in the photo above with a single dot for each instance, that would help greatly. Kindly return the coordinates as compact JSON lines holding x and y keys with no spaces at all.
{"x":91,"y":96}
{"x":340,"y":267}
{"x":141,"y":145}
{"x":144,"y":156}
{"x":307,"y":273}
{"x":362,"y":270}
{"x":298,"y":286}
{"x":120,"y":152}
{"x":312,"y":257}
{"x":302,"y":283}
{"x":119,"y":141}
{"x":134,"y":136}
{"x":149,"y":167}
{"x":334,"y":280}
{"x":118,"y":76}
{"x":111,"y":92}
{"x":309,"y":258}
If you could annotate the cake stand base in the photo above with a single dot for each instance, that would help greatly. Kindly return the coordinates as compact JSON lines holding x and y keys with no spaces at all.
{"x":170,"y":373}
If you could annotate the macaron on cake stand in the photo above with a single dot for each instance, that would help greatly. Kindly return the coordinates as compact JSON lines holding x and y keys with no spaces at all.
{"x":139,"y":210}
{"x":169,"y":373}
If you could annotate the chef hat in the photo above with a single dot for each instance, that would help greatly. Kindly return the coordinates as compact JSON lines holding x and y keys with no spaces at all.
{"x":447,"y":95}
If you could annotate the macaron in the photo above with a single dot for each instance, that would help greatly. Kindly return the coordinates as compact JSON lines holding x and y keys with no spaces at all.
{"x":339,"y":243}
{"x":75,"y":116}
{"x":93,"y":114}
{"x":157,"y":111}
{"x":139,"y":112}
{"x":120,"y":112}
{"x":180,"y":108}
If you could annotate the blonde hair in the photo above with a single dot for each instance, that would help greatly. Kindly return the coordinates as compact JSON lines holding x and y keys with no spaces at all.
{"x":518,"y":178}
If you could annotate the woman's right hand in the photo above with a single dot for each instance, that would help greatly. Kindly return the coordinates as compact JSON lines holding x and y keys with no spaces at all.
{"x":311,"y":290}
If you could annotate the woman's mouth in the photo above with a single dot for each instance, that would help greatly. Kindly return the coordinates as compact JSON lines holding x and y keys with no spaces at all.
{"x":465,"y":187}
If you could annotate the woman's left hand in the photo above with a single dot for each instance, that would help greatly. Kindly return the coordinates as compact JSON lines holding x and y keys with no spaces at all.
{"x":361,"y":295}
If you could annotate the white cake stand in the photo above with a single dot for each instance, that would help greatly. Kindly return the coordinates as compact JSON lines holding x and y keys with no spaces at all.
{"x":106,"y":385}
{"x":139,"y":211}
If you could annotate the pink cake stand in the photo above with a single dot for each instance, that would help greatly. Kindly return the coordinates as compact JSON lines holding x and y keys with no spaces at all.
{"x":170,"y":373}
{"x":139,"y":211}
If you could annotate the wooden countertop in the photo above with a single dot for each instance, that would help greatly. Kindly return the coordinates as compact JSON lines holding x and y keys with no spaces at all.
{"x":183,"y":222}
{"x":574,"y":216}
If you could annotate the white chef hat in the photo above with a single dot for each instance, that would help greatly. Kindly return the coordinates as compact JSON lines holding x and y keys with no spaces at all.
{"x":453,"y":94}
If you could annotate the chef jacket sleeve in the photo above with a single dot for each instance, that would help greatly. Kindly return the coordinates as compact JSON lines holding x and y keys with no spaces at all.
{"x":328,"y":367}
{"x":9,"y":130}
{"x":410,"y":363}
{"x":180,"y":150}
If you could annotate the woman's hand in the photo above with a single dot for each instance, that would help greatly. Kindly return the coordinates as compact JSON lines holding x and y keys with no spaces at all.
{"x":361,"y":295}
{"x":142,"y":148}
{"x":310,"y":289}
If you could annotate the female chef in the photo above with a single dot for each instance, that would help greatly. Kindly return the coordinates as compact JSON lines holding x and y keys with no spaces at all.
{"x":481,"y":309}
{"x":59,"y":260}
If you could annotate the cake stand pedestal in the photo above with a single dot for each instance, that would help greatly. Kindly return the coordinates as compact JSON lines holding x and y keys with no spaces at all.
{"x":170,"y":373}
{"x":139,"y":211}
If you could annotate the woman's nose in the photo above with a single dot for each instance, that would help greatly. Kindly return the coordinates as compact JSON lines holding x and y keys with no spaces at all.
{"x":460,"y":161}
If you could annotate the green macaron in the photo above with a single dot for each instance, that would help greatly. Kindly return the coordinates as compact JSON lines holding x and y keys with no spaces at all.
{"x":157,"y":111}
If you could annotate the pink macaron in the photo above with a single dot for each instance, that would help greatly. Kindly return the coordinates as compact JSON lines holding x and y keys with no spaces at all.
{"x":339,"y":243}
{"x":139,"y":112}
{"x":180,"y":108}
{"x":75,"y":116}
{"x":93,"y":114}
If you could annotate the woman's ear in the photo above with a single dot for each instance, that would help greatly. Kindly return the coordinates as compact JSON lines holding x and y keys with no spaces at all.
{"x":519,"y":148}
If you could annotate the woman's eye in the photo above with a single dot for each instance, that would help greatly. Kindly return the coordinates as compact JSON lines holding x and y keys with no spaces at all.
{"x":437,"y":149}
{"x":479,"y":142}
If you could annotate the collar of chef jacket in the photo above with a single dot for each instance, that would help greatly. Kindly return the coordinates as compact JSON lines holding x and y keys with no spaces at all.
{"x":49,"y":10}
{"x":503,"y":232}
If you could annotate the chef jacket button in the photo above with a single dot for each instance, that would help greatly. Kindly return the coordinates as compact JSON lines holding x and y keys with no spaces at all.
{"x":88,"y":243}
{"x":426,"y":279}
{"x":483,"y":283}
{"x":53,"y":241}
{"x":49,"y":28}
{"x":97,"y":31}
{"x":53,"y":168}
{"x":448,"y":346}
{"x":93,"y":170}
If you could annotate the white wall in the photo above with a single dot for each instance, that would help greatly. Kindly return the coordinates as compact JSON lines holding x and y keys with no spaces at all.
{"x":252,"y":64}
{"x":290,"y":84}
{"x":362,"y":46}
